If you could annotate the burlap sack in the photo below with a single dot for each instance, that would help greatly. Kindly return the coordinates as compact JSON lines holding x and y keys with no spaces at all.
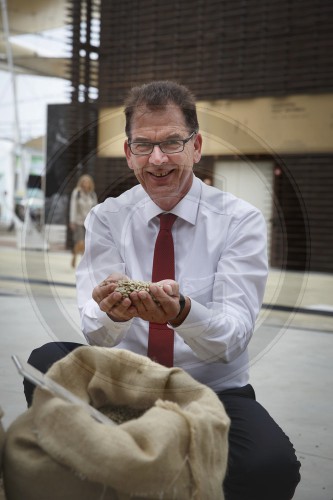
{"x":177,"y":448}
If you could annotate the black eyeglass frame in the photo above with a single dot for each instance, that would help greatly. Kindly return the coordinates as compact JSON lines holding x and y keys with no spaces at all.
{"x":153,"y":144}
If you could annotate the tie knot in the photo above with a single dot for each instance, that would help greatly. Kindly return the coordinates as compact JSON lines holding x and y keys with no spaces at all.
{"x":166,"y":221}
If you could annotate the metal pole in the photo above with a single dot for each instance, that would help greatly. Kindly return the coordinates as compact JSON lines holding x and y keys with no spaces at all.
{"x":17,"y":135}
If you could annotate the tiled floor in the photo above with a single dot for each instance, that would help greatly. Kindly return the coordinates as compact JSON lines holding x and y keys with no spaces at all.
{"x":291,"y":353}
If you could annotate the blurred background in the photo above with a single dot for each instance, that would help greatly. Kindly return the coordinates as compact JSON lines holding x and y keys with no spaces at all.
{"x":262,"y":74}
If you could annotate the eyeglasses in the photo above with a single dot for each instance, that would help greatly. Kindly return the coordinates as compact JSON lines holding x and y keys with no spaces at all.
{"x":168,"y":147}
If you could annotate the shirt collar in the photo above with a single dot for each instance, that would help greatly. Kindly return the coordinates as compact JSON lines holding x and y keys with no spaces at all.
{"x":187,"y":208}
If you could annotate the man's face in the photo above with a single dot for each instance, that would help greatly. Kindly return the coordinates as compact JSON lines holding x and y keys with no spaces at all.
{"x":165,"y":177}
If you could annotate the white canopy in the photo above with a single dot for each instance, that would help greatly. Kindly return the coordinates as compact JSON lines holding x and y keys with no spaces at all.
{"x":32,"y":17}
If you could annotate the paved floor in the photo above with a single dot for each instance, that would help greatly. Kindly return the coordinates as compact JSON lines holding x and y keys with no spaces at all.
{"x":291,"y":352}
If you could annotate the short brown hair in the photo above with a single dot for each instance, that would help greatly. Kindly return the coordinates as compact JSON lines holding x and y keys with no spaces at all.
{"x":158,"y":94}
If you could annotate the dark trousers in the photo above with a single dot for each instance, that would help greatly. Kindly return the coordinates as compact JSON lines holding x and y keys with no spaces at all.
{"x":262,"y":464}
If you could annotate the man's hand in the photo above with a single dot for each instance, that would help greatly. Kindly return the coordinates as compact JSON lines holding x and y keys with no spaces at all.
{"x":164,"y":308}
{"x":161,"y":305}
{"x":111,"y":302}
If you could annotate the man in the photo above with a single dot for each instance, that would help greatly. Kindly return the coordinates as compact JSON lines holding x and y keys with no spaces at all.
{"x":210,"y":304}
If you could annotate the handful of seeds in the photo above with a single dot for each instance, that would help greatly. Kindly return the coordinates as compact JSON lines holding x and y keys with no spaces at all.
{"x":125,"y":287}
{"x":121,"y":414}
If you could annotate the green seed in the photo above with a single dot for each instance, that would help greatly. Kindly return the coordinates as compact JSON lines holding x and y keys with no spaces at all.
{"x":125,"y":287}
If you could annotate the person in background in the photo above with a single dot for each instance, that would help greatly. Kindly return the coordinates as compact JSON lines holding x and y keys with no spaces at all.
{"x":83,"y":199}
{"x":211,"y":299}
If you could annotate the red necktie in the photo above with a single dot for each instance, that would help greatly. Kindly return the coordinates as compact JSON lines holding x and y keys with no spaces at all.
{"x":161,"y":337}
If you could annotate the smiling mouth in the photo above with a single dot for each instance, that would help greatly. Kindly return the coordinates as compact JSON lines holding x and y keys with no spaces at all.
{"x":160,"y":174}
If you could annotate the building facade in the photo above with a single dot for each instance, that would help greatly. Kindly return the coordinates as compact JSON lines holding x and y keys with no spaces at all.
{"x":263,"y":77}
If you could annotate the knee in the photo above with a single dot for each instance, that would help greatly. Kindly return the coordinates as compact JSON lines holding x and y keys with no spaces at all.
{"x":279,"y":474}
{"x":273,"y":474}
{"x":43,"y":358}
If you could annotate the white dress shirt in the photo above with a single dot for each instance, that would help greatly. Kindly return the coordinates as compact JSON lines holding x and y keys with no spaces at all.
{"x":220,"y":263}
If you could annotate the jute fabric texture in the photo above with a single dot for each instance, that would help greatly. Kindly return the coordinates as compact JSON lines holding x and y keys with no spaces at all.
{"x":176,"y":449}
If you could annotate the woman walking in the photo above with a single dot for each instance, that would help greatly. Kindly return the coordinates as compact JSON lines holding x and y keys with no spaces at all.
{"x":83,"y":198}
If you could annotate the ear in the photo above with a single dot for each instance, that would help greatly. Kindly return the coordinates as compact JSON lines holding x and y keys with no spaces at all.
{"x":128,"y":155}
{"x":197,"y":148}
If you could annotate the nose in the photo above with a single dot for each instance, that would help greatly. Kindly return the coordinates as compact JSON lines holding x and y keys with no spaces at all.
{"x":157,"y":157}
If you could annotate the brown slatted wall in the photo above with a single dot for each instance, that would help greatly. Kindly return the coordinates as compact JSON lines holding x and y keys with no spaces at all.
{"x":223,"y":49}
{"x":84,"y":39}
